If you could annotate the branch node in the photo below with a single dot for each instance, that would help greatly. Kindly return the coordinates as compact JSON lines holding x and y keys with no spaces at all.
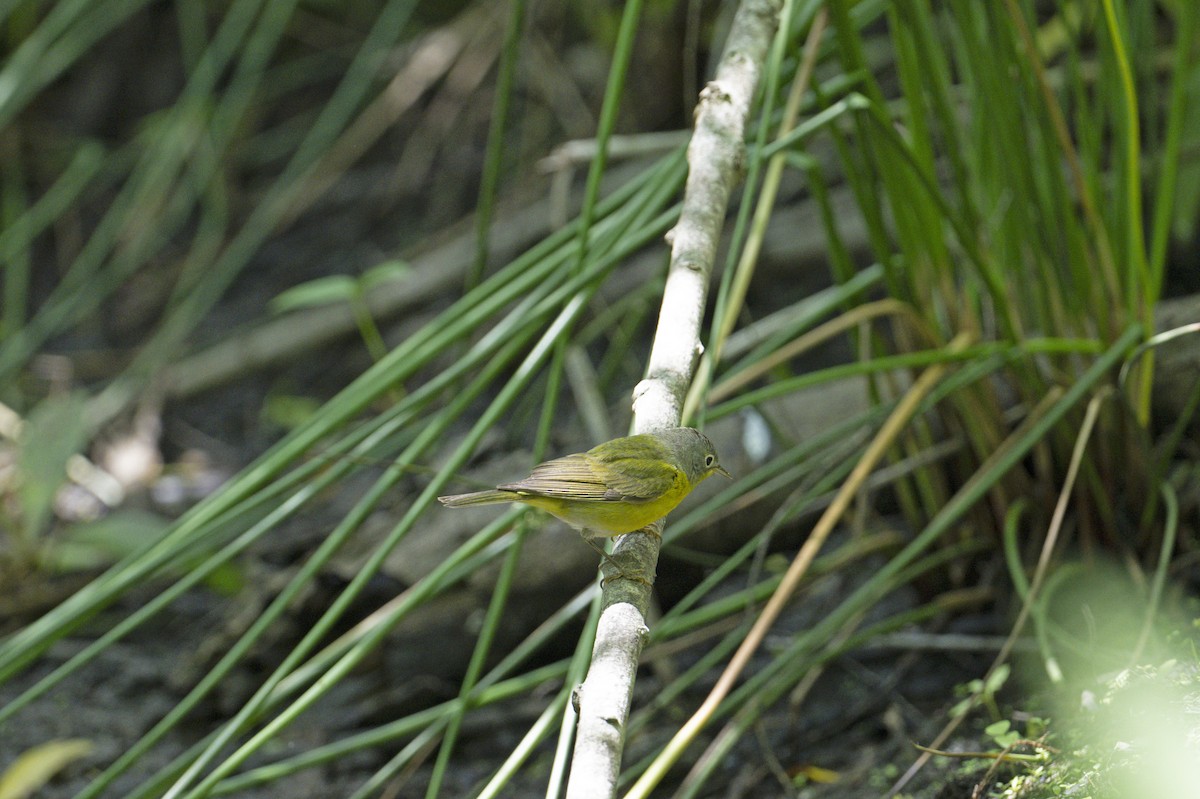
{"x":712,"y":93}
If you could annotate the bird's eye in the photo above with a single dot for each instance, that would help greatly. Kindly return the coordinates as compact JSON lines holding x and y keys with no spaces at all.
{"x":709,"y":460}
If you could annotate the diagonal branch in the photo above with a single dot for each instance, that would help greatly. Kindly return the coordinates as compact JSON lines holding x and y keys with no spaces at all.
{"x":715,"y":157}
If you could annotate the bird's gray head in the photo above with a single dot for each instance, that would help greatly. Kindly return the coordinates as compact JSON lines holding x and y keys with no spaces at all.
{"x":693,"y":452}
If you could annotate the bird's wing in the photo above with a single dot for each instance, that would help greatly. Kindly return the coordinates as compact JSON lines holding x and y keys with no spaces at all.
{"x":639,"y":477}
{"x":571,"y":477}
{"x":633,"y":478}
{"x":639,"y":473}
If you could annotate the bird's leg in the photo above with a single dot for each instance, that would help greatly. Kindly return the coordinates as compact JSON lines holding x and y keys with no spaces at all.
{"x":591,"y":542}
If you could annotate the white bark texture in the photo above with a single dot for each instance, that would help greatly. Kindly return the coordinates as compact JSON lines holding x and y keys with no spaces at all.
{"x":715,"y":159}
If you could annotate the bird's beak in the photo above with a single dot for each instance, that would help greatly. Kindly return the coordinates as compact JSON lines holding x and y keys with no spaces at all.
{"x":721,"y":471}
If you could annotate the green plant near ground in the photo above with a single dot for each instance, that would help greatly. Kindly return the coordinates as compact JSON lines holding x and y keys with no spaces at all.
{"x":1003,"y":174}
{"x":355,"y":292}
{"x":42,"y":444}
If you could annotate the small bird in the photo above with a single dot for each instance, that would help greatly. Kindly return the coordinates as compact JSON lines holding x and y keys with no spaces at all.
{"x":614,"y":488}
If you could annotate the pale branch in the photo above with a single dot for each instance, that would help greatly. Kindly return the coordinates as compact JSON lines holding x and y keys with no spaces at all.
{"x":715,"y":159}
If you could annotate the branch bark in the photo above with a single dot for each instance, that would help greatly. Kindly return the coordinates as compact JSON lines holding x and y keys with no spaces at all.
{"x":715,"y":157}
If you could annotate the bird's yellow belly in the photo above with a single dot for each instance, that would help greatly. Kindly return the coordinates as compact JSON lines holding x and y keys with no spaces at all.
{"x":610,"y":518}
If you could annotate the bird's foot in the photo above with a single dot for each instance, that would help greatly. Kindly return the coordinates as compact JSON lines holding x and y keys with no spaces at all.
{"x":621,"y":572}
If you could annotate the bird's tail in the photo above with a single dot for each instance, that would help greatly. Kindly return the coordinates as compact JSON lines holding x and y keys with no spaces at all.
{"x":490,"y":497}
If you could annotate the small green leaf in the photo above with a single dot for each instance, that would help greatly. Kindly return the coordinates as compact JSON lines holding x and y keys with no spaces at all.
{"x":227,"y":579}
{"x":1036,"y":726}
{"x":997,"y":678}
{"x":289,"y":411}
{"x":35,"y":767}
{"x":54,"y":431}
{"x":1001,"y":733}
{"x":385,"y":272}
{"x":97,"y":544}
{"x":962,"y":708}
{"x":997,"y":728}
{"x":322,"y":291}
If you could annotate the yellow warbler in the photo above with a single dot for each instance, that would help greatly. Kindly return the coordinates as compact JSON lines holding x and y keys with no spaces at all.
{"x":614,"y":488}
